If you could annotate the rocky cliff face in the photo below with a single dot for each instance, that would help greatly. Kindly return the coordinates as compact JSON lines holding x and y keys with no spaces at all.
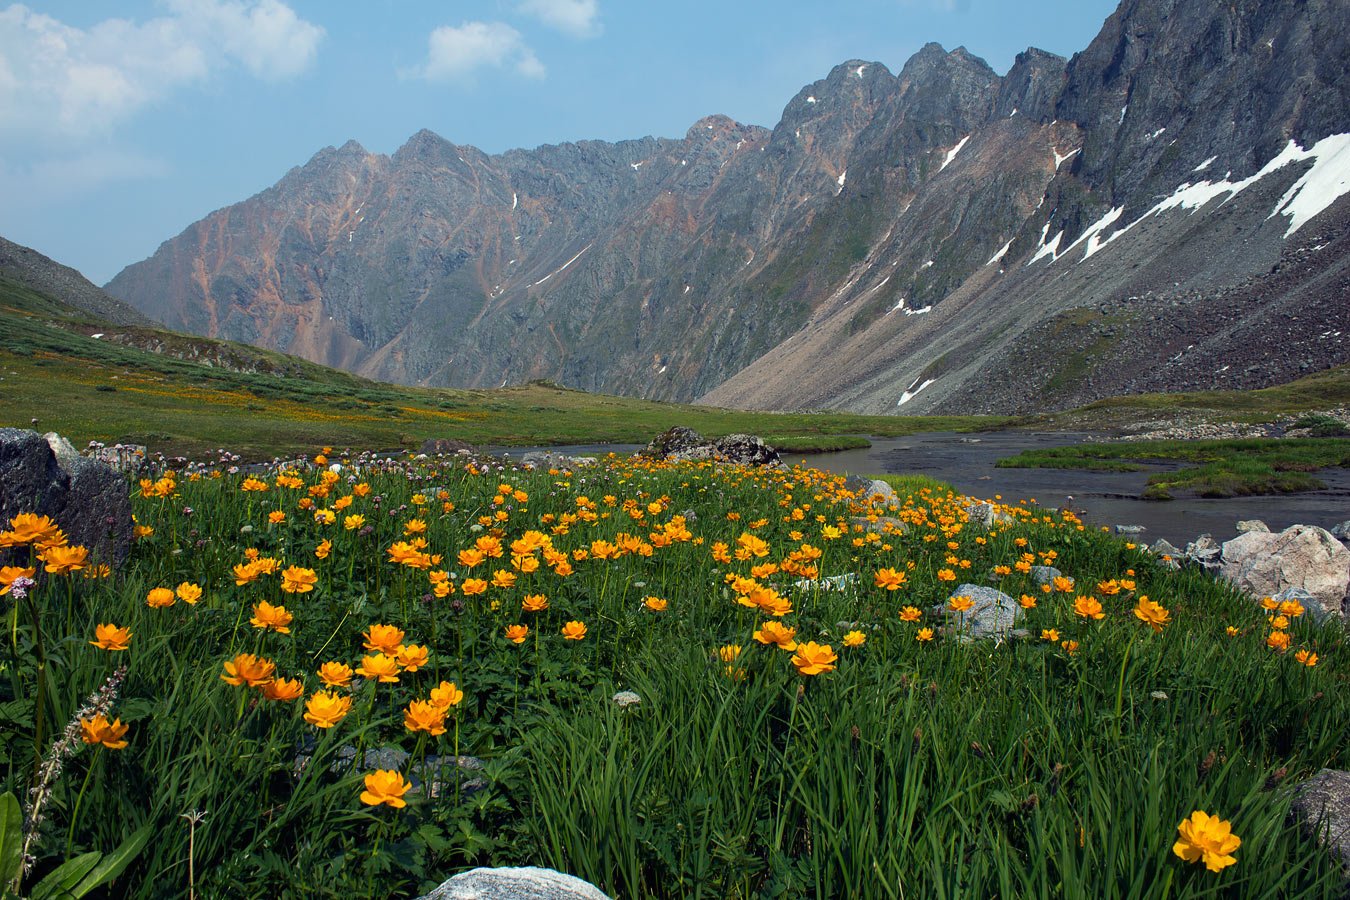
{"x":893,"y":238}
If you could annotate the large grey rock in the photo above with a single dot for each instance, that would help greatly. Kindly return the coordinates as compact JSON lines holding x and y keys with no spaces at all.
{"x":992,"y":613}
{"x":544,"y":459}
{"x":864,"y":489}
{"x":1046,"y":574}
{"x":986,"y":515}
{"x":88,"y":499}
{"x":1302,"y":556}
{"x":1342,"y":532}
{"x":1322,"y":806}
{"x":680,"y":444}
{"x":1204,"y":552}
{"x":521,"y":883}
{"x":1313,"y":607}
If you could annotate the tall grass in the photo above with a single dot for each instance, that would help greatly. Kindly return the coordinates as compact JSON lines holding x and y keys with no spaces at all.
{"x":1022,"y":767}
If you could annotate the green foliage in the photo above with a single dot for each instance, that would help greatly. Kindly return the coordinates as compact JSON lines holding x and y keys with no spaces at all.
{"x":1024,"y":768}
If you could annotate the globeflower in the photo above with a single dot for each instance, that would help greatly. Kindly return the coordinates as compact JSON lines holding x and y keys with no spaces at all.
{"x":1088,"y":608}
{"x":1278,"y":640}
{"x":379,"y":667}
{"x":574,"y":631}
{"x":387,"y":787}
{"x":64,"y":560}
{"x":424,"y":715}
{"x":29,"y":528}
{"x":335,"y":674}
{"x":265,"y":616}
{"x":284,"y":689}
{"x":111,"y":637}
{"x":446,"y":695}
{"x":296,"y":580}
{"x":1152,"y":614}
{"x":160,"y":597}
{"x":248,"y":669}
{"x":855,"y":639}
{"x":188,"y":592}
{"x":890,"y":579}
{"x":1306,"y":657}
{"x":655,"y":604}
{"x":910,"y":614}
{"x":924,"y":634}
{"x":516,"y":634}
{"x":384,"y":638}
{"x":412,"y":656}
{"x":814,"y":659}
{"x":1208,"y":839}
{"x":960,"y":603}
{"x":326,"y":709}
{"x":99,"y":730}
{"x":9,"y":574}
{"x":534,"y":603}
{"x":776,"y":633}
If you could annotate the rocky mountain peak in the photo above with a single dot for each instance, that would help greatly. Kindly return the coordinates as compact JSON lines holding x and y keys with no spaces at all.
{"x":1032,"y":85}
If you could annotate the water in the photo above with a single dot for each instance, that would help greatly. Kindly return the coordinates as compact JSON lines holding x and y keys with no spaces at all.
{"x":966,"y":461}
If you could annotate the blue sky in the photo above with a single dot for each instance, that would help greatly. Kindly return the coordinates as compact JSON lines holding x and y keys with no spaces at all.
{"x":123,"y":122}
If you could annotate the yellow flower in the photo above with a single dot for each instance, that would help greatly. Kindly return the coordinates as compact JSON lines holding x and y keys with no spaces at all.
{"x":1303,"y":656}
{"x":1152,"y":614}
{"x":325,"y":709}
{"x":276,"y":517}
{"x":335,"y":674}
{"x":188,"y":592}
{"x":814,"y":659}
{"x":534,"y":603}
{"x":1233,"y":631}
{"x":1088,"y":607}
{"x":265,"y":615}
{"x":516,"y":634}
{"x":111,"y":637}
{"x":1063,"y":584}
{"x":99,"y":730}
{"x":160,"y":597}
{"x":1208,"y":839}
{"x":378,"y":667}
{"x":296,"y":580}
{"x":503,"y":579}
{"x":353,"y":522}
{"x":473,"y":586}
{"x":446,"y":695}
{"x":1270,"y":603}
{"x":385,"y":786}
{"x":910,"y":614}
{"x":1278,"y":640}
{"x":284,"y":689}
{"x":384,"y":638}
{"x":248,"y":669}
{"x":1027,"y":601}
{"x":1050,"y":634}
{"x":960,"y":603}
{"x":412,"y":657}
{"x":574,"y":631}
{"x":890,"y":579}
{"x":777,"y":633}
{"x":253,"y":484}
{"x":924,"y":634}
{"x":30,"y":528}
{"x":1279,"y":623}
{"x":1291,"y":608}
{"x":1071,"y":647}
{"x":424,"y":715}
{"x":855,"y":639}
{"x":655,"y":604}
{"x":64,"y":560}
{"x":946,"y":575}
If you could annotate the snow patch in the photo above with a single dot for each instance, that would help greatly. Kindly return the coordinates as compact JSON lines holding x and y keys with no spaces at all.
{"x":926,"y":265}
{"x":899,"y":305}
{"x":1205,"y":165}
{"x":858,"y":72}
{"x":920,"y":311}
{"x":913,"y":391}
{"x":1000,"y":254}
{"x":840,"y":180}
{"x":515,"y":199}
{"x":951,"y":154}
{"x":1157,"y":133}
{"x":686,"y":289}
{"x":1013,"y":113}
{"x":96,"y":336}
{"x":560,"y":268}
{"x":637,"y":165}
{"x":1092,"y":235}
{"x":810,"y":99}
{"x":661,"y":371}
{"x":1123,"y":110}
{"x":1060,"y":160}
{"x":1322,"y":185}
{"x":1051,"y":249}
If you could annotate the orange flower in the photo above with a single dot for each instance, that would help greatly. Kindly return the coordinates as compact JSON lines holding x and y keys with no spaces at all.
{"x":111,"y":637}
{"x":1306,"y":657}
{"x":412,"y":657}
{"x":946,"y":575}
{"x":1027,"y":601}
{"x":924,"y":634}
{"x":890,"y":579}
{"x":1050,"y":634}
{"x":378,"y":667}
{"x":574,"y":631}
{"x":778,"y":634}
{"x":473,"y":586}
{"x":385,"y":786}
{"x":64,"y":560}
{"x":188,"y":592}
{"x":384,"y":638}
{"x":534,"y":603}
{"x":336,"y":674}
{"x":855,"y":639}
{"x":1088,"y":608}
{"x":516,"y":634}
{"x":655,"y":604}
{"x":276,"y":517}
{"x":424,"y":715}
{"x":99,"y":730}
{"x":503,"y":579}
{"x":446,"y":695}
{"x":814,"y":659}
{"x":960,"y":603}
{"x":296,"y":580}
{"x":284,"y":689}
{"x":326,"y":709}
{"x":910,"y":614}
{"x":160,"y":597}
{"x":1062,"y":583}
{"x":325,"y":547}
{"x":248,"y":669}
{"x":1278,"y":640}
{"x":265,"y":616}
{"x":1152,"y":613}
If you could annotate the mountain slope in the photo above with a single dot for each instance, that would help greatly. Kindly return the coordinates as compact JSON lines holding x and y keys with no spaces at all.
{"x":894,"y":237}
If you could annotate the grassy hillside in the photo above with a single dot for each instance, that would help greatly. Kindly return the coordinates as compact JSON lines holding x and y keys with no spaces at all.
{"x":183,"y":394}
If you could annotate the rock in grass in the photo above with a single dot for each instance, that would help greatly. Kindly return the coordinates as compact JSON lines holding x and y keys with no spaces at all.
{"x":522,"y":883}
{"x":993,"y":614}
{"x":1046,"y":574}
{"x":1302,"y":556}
{"x":864,"y":488}
{"x":1322,"y":806}
{"x":88,"y":499}
{"x":1311,"y":605}
{"x":680,"y":444}
{"x":987,"y":515}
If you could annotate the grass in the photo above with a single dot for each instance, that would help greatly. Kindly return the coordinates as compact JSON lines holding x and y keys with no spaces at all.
{"x":1051,"y":765}
{"x":262,"y":404}
{"x":1227,"y":468}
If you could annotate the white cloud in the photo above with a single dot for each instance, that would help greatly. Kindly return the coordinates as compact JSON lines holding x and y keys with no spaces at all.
{"x":575,"y":17}
{"x":454,"y":53}
{"x":58,"y":81}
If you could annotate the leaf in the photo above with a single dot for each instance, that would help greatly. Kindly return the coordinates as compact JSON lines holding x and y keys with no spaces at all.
{"x":61,"y":882}
{"x":116,"y":862}
{"x":11,"y":839}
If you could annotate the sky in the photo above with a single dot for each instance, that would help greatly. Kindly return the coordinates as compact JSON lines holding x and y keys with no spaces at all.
{"x":124,"y":121}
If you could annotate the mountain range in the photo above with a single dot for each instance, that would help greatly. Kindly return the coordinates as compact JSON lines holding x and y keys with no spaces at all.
{"x":1163,"y":211}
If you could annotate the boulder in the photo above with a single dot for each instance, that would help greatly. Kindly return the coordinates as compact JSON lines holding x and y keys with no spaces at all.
{"x":1247,"y":526}
{"x":672,"y":441}
{"x":1045,"y":574}
{"x":680,"y":444}
{"x":1130,"y":530}
{"x":1203,"y":552}
{"x":864,"y":489}
{"x":520,"y":883}
{"x":992,"y":613}
{"x":881,"y":524}
{"x":1322,"y":807}
{"x":1342,"y":532}
{"x":987,"y":515}
{"x":1313,"y":607}
{"x":88,"y":499}
{"x":542,"y":459}
{"x":1302,"y":556}
{"x":746,"y":450}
